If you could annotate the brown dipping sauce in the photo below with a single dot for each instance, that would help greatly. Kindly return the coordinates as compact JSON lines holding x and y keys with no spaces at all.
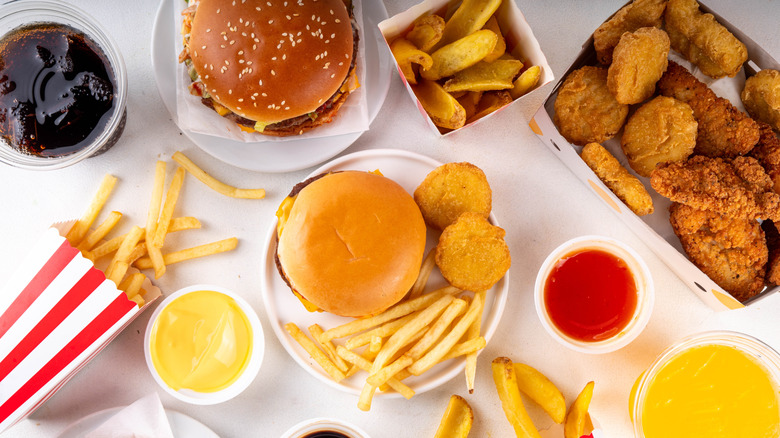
{"x":326,"y":434}
{"x":56,"y":89}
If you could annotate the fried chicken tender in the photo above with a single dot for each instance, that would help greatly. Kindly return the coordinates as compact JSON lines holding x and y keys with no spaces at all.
{"x":773,"y":244}
{"x":662,"y":130}
{"x":723,"y":131}
{"x":738,"y":188}
{"x":640,"y":13}
{"x":624,"y":185}
{"x":585,"y":110}
{"x":767,"y":152}
{"x":761,"y":97}
{"x":639,"y":60}
{"x":702,"y":40}
{"x":472,"y":254}
{"x":731,"y":251}
{"x":450,"y":190}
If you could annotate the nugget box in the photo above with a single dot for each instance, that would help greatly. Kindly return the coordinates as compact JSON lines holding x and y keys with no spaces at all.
{"x":57,"y":312}
{"x":654,"y":229}
{"x":519,"y":38}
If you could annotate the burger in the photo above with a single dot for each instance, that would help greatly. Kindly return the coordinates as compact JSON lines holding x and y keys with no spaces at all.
{"x":349,"y":243}
{"x":278,"y":67}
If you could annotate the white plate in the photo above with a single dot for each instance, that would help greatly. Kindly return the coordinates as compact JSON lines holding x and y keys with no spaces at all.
{"x":408,"y":170}
{"x":274,"y":156}
{"x":181,"y":425}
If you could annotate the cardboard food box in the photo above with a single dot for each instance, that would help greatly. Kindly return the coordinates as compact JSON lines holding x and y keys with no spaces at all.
{"x":58,"y":311}
{"x":654,"y":229}
{"x":519,"y":38}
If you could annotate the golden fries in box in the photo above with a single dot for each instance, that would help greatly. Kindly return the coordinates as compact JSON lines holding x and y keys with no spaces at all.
{"x":464,"y":64}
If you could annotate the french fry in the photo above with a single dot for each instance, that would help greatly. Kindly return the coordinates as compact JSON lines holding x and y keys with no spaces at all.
{"x":82,"y":225}
{"x":314,"y":352}
{"x":92,"y":238}
{"x":316,"y":332}
{"x":364,"y":364}
{"x":384,"y":374}
{"x":470,"y":16}
{"x":464,"y":348}
{"x":138,"y":251}
{"x":215,"y":184}
{"x":155,"y":255}
{"x":541,"y":390}
{"x":469,"y":102}
{"x":383,"y":331}
{"x":506,"y":385}
{"x":191,"y":253}
{"x":427,"y":31}
{"x":425,"y":272}
{"x":366,"y":395}
{"x":118,"y":266}
{"x":171,"y":197}
{"x":454,"y":310}
{"x":444,"y":110}
{"x":500,"y":49}
{"x":457,"y":419}
{"x":106,"y":248}
{"x":434,"y":355}
{"x":460,"y":54}
{"x":485,"y":76}
{"x":471,"y":358}
{"x":491,"y":101}
{"x":577,"y":417}
{"x":133,"y":284}
{"x":526,"y":81}
{"x":406,"y":54}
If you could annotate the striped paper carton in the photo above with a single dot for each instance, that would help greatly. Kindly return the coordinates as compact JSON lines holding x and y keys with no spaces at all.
{"x":57,"y":312}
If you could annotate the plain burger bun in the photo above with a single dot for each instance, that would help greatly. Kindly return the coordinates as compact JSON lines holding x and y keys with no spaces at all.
{"x":353,"y":243}
{"x":271,"y":60}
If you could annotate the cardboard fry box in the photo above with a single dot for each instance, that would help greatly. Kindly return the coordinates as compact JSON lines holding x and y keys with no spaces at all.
{"x":654,"y":229}
{"x":520,"y":41}
{"x":58,"y":311}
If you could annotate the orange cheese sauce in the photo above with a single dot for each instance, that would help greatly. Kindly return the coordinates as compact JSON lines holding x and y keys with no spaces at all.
{"x":201,"y":341}
{"x":711,"y":391}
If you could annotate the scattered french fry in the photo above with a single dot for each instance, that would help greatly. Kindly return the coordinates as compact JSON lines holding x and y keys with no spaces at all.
{"x":425,"y":272}
{"x":577,"y":417}
{"x":191,"y":253}
{"x":151,"y":220}
{"x":118,"y":266}
{"x":506,"y":385}
{"x":171,"y":197}
{"x":383,"y":375}
{"x":93,"y":237}
{"x":314,"y":352}
{"x":457,"y":419}
{"x":541,"y":390}
{"x":427,"y":31}
{"x":473,"y":333}
{"x":454,"y":310}
{"x":215,"y":184}
{"x":364,"y":364}
{"x":406,"y":54}
{"x":464,"y":348}
{"x":366,"y":396}
{"x":327,"y":346}
{"x":106,"y":248}
{"x":81,"y":227}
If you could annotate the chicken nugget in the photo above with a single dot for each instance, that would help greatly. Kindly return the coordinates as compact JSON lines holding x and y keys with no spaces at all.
{"x":767,"y":152}
{"x":639,"y":60}
{"x":639,"y":13}
{"x":472,"y":254}
{"x":703,"y":41}
{"x":662,"y":130}
{"x":761,"y":97}
{"x":585,"y":110}
{"x":624,"y":185}
{"x":731,"y":251}
{"x":773,"y":245}
{"x":452,"y":189}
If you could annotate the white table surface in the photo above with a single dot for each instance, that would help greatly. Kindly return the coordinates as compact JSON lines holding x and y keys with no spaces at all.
{"x":536,"y":198}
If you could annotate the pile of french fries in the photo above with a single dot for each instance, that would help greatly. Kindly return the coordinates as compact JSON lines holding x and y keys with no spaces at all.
{"x":461,"y":69}
{"x":141,"y":247}
{"x":406,"y":340}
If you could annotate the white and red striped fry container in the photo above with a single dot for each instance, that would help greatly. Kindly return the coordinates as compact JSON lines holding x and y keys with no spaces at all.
{"x":58,"y":311}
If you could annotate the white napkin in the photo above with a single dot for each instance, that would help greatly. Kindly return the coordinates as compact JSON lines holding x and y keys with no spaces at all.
{"x":145,"y":418}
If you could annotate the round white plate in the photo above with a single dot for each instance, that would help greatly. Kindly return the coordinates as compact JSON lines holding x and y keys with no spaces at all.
{"x":274,"y":156}
{"x":408,"y":170}
{"x":181,"y":425}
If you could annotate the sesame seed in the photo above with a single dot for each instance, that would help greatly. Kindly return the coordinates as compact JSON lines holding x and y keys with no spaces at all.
{"x":240,"y":61}
{"x":333,"y":75}
{"x":222,"y":45}
{"x":273,"y":58}
{"x":284,"y":56}
{"x":283,"y":102}
{"x":238,"y":107}
{"x":227,"y":62}
{"x":258,"y":8}
{"x":255,"y":104}
{"x":288,"y":17}
{"x":265,"y":95}
{"x":232,"y":42}
{"x":240,"y":52}
{"x":203,"y":47}
{"x":240,"y":20}
{"x":218,"y":11}
{"x":287,"y":107}
{"x":269,"y":3}
{"x":260,"y":82}
{"x":249,"y":63}
{"x":338,"y":21}
{"x":270,"y":21}
{"x":254,"y":46}
{"x":240,"y":100}
{"x":327,"y":41}
{"x":331,"y":12}
{"x":273,"y":72}
{"x":208,"y":30}
{"x":230,"y":91}
{"x":333,"y":35}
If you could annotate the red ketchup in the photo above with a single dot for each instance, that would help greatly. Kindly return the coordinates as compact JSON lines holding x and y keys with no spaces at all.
{"x":590,"y":295}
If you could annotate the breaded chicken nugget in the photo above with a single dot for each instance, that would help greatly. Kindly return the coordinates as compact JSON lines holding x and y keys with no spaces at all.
{"x":731,"y":251}
{"x":662,"y":130}
{"x":767,"y":152}
{"x":624,"y":185}
{"x":639,"y":60}
{"x":585,"y":110}
{"x":472,"y":254}
{"x":702,"y":38}
{"x":640,"y":13}
{"x":761,"y":97}
{"x":452,"y":189}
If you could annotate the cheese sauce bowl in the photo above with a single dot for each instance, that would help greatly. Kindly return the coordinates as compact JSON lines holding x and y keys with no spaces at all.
{"x":204,"y":344}
{"x":594,"y":294}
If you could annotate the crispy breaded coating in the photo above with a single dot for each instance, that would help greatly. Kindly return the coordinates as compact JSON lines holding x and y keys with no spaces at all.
{"x":639,"y":60}
{"x":723,"y":131}
{"x":703,"y":41}
{"x":472,"y":254}
{"x":767,"y":152}
{"x":450,"y":190}
{"x":585,"y":110}
{"x":731,"y":251}
{"x":624,"y":185}
{"x":662,"y":130}
{"x":738,"y":188}
{"x":761,"y":97}
{"x":773,"y":245}
{"x":639,"y":13}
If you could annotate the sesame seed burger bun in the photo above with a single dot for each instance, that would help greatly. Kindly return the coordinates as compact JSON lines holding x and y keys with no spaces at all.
{"x":352,"y":244}
{"x":273,"y":60}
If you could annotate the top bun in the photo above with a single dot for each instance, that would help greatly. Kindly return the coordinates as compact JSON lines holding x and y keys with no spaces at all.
{"x":353,"y":243}
{"x":271,"y":60}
